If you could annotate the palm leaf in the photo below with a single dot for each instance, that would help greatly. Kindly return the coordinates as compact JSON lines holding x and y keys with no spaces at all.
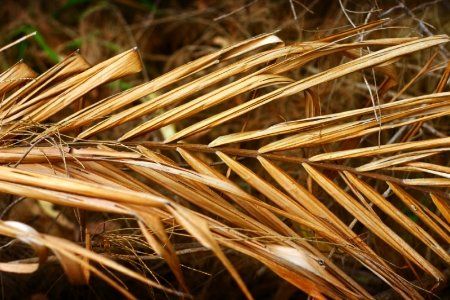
{"x":273,"y":210}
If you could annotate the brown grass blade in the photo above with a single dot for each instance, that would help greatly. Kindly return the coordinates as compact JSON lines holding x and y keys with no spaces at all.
{"x":210,"y":99}
{"x":65,"y":199}
{"x":173,"y":76}
{"x":439,"y":182}
{"x":372,"y":223}
{"x":351,"y":31}
{"x":339,"y":232}
{"x":71,"y":64}
{"x":116,"y":67}
{"x":442,"y":206}
{"x":163,"y":246}
{"x":367,"y":61}
{"x":68,"y":75}
{"x":398,"y":216}
{"x":357,"y":128}
{"x":420,"y":211}
{"x":257,"y":208}
{"x":202,"y":167}
{"x":267,"y":189}
{"x":15,"y":76}
{"x":199,"y":229}
{"x":304,"y":124}
{"x":80,"y":188}
{"x":17,"y":41}
{"x":399,"y":159}
{"x":196,"y":194}
{"x":289,"y":205}
{"x":382,"y":149}
{"x":306,"y":52}
{"x":425,"y":167}
{"x":70,"y":251}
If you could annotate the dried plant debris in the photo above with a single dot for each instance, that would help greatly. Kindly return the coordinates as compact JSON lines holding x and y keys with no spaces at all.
{"x":324,"y":199}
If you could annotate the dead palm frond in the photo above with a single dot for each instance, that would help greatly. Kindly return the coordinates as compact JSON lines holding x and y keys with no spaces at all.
{"x":276,"y":206}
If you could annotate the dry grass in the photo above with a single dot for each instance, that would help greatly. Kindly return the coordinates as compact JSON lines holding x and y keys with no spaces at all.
{"x":321,"y":160}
